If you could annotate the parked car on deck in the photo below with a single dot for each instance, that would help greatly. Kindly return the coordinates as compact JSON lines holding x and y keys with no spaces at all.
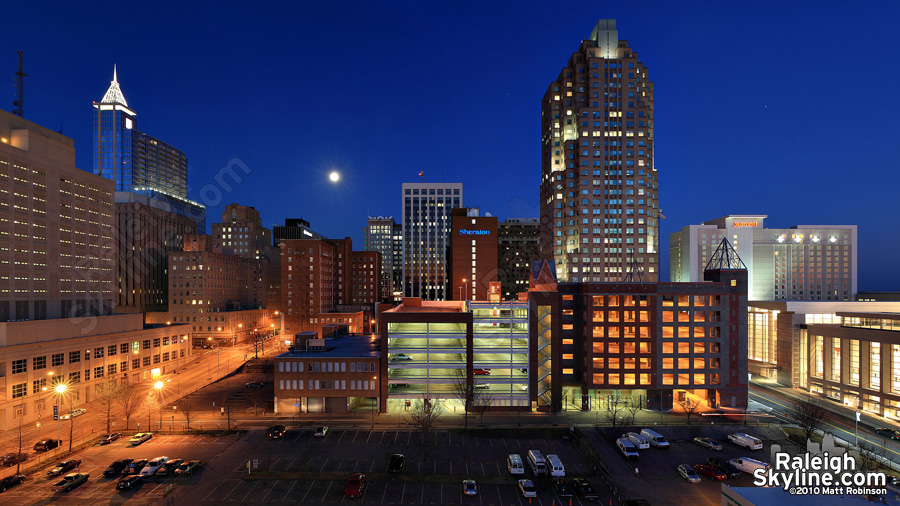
{"x":708,"y":442}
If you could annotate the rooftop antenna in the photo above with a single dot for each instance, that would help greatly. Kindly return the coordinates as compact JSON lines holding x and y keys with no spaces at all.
{"x":422,"y":175}
{"x":19,"y":102}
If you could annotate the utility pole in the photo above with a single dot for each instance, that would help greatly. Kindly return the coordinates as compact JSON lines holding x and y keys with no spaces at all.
{"x":19,"y":102}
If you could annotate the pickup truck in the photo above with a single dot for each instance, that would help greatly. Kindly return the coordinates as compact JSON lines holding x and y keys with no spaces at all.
{"x":71,"y":481}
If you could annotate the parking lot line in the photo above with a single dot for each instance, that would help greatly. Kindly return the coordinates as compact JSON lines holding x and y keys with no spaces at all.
{"x":307,"y":490}
{"x":250,"y":491}
{"x":236,"y":485}
{"x":289,"y":490}
{"x":403,"y":493}
{"x":499,"y":472}
{"x":368,"y":437}
{"x":323,"y":464}
{"x":383,"y":494}
{"x":326,"y":490}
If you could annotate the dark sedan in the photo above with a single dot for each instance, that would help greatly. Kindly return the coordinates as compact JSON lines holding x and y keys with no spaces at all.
{"x":724,"y":466}
{"x":134,"y":467}
{"x":116,"y":467}
{"x":64,"y":467}
{"x":109,"y":438}
{"x":11,"y":459}
{"x":584,"y":489}
{"x":395,"y":465}
{"x":11,"y":481}
{"x":129,"y":482}
{"x":890,"y":433}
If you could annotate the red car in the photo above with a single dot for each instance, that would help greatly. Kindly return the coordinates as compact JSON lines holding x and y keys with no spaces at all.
{"x":355,"y":485}
{"x":710,"y":472}
{"x":483,"y":372}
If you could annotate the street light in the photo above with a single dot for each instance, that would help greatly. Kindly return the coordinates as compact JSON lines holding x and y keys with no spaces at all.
{"x":461,"y":289}
{"x":159,"y":386}
{"x":857,"y":428}
{"x":60,"y":392}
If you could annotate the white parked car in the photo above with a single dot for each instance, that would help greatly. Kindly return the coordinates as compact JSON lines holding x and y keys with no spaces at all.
{"x":527,"y":488}
{"x":153,"y":466}
{"x":746,"y":440}
{"x":402,"y":356}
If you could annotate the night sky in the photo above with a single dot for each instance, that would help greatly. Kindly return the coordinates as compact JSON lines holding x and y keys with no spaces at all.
{"x":783,"y":108}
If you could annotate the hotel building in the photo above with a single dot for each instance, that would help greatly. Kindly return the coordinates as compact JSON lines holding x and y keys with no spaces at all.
{"x":599,"y":184}
{"x":426,"y":231}
{"x":804,"y":262}
{"x":519,"y":244}
{"x":473,"y":254}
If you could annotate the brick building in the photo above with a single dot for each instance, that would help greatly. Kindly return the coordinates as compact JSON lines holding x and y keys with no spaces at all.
{"x":473,"y":254}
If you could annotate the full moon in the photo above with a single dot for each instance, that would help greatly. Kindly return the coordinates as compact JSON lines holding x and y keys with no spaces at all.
{"x":334,"y":177}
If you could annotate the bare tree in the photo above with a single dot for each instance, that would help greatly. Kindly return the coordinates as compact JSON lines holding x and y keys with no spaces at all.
{"x":689,"y":405}
{"x":129,"y":399}
{"x":107,"y":393}
{"x":465,"y":391}
{"x":633,"y":408}
{"x":149,"y":404}
{"x":22,"y":430}
{"x":808,"y":414}
{"x":188,"y":405}
{"x":423,"y":416}
{"x":870,"y":457}
{"x":613,"y":408}
{"x":482,"y":402}
{"x":72,"y":419}
{"x":259,"y":396}
{"x":258,"y":341}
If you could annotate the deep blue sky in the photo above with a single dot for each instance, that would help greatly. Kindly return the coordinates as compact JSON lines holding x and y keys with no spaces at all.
{"x":783,"y":108}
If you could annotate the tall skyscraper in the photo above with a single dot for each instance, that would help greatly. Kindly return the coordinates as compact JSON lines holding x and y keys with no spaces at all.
{"x":599,"y":200}
{"x":426,"y":229}
{"x":804,"y":262}
{"x":137,"y":162}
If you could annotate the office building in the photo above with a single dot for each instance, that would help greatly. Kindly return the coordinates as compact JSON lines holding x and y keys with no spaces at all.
{"x":137,"y":162}
{"x":599,"y":185}
{"x":519,"y":244}
{"x":381,"y":235}
{"x":57,"y":243}
{"x":473,"y":254}
{"x":426,"y":230}
{"x":146,"y":232}
{"x":329,"y":376}
{"x":804,"y":262}
{"x":242,"y":233}
{"x":320,"y":275}
{"x":216,"y":292}
{"x":37,"y":355}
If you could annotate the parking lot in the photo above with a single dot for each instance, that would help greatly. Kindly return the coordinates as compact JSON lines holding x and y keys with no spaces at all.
{"x":303,"y":469}
{"x":36,"y":490}
{"x":658,"y":480}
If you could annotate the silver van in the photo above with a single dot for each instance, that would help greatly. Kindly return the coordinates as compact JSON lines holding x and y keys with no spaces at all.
{"x":514,"y":464}
{"x":637,"y":440}
{"x":655,"y":439}
{"x":628,"y":450}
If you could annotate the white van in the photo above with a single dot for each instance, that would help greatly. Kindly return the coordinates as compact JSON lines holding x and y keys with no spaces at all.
{"x":655,"y":439}
{"x":746,"y":440}
{"x":514,"y":464}
{"x":749,"y":465}
{"x":555,"y":466}
{"x":627,"y":449}
{"x":537,"y":463}
{"x":637,"y":440}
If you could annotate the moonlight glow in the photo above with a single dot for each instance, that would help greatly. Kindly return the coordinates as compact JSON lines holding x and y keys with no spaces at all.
{"x":334,"y":177}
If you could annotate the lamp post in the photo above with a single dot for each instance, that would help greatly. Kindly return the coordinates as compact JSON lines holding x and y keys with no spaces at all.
{"x":60,"y":390}
{"x":857,"y":428}
{"x":158,"y":386}
{"x":461,"y":289}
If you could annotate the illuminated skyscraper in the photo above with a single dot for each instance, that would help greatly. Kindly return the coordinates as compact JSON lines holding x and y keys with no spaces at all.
{"x":426,"y":230}
{"x":599,"y":197}
{"x":137,"y":162}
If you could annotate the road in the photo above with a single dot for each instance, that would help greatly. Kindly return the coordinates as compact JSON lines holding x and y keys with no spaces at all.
{"x":835,"y":421}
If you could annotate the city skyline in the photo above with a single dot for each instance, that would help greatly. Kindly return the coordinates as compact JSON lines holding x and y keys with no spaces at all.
{"x":758,"y":136}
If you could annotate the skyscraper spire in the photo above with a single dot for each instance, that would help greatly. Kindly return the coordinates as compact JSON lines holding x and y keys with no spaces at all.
{"x":114,"y":93}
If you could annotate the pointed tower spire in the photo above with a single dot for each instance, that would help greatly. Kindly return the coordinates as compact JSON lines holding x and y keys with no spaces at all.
{"x":114,"y":93}
{"x":725,"y":257}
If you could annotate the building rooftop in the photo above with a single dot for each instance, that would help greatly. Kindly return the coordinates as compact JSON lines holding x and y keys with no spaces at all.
{"x":754,"y":496}
{"x":417,"y":305}
{"x":355,"y":346}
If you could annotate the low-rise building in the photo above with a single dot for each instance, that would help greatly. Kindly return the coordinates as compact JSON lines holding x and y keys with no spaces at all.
{"x":330,"y":376}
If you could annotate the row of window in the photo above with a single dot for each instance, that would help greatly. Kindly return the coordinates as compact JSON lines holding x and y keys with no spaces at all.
{"x":57,"y":359}
{"x":297,"y":366}
{"x":326,"y":385}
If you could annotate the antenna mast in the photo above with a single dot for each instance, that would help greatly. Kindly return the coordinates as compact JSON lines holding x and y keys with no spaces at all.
{"x":19,"y":102}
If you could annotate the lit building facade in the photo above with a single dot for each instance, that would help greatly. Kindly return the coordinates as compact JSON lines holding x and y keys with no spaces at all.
{"x":473,"y":254}
{"x":320,"y":275}
{"x":57,"y":241}
{"x":379,"y":235}
{"x":599,"y":184}
{"x":804,"y":262}
{"x":242,"y":233}
{"x":519,"y":244}
{"x":137,"y":162}
{"x":426,"y":231}
{"x":37,"y":355}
